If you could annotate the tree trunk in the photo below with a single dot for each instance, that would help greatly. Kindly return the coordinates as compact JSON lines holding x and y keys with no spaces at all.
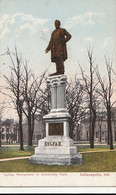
{"x":108,"y":139}
{"x":29,"y":130}
{"x":110,"y":128}
{"x":78,"y":135}
{"x":92,"y":134}
{"x":0,"y":132}
{"x":90,"y":137}
{"x":87,"y":135}
{"x":33,"y":119}
{"x":21,"y":131}
{"x":71,"y":129}
{"x":0,"y":137}
{"x":90,"y":130}
{"x":92,"y":126}
{"x":100,"y":135}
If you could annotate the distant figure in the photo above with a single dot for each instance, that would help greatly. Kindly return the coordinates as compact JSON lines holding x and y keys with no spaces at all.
{"x":57,"y":45}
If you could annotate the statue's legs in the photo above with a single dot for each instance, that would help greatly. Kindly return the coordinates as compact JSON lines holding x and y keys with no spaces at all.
{"x":60,"y":66}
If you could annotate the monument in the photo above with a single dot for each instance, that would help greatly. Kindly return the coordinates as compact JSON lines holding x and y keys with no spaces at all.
{"x":57,"y":148}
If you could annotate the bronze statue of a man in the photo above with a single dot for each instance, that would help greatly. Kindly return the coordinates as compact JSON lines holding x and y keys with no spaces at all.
{"x":57,"y":45}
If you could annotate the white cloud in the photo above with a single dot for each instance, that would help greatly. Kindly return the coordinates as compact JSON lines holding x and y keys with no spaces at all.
{"x":4,"y":32}
{"x":84,"y":19}
{"x":4,"y":19}
{"x":89,"y":39}
{"x":107,"y":41}
{"x":30,"y":23}
{"x":25,"y":27}
{"x":44,"y":30}
{"x":35,"y":21}
{"x":43,"y":33}
{"x":26,"y":22}
{"x":7,"y":19}
{"x":4,"y":26}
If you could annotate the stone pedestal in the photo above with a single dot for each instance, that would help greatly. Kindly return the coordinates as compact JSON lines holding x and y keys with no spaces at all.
{"x":57,"y":148}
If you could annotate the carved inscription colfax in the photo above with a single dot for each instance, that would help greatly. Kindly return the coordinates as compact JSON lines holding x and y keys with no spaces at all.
{"x":52,"y":143}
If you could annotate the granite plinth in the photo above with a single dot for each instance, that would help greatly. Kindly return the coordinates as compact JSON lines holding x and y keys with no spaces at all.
{"x":56,"y":150}
{"x":61,"y":159}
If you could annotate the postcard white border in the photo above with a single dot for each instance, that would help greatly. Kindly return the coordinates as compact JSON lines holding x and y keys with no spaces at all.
{"x":58,"y":179}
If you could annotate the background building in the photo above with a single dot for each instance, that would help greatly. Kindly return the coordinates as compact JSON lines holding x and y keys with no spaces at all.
{"x":101,"y":131}
{"x":9,"y":131}
{"x":39,"y":129}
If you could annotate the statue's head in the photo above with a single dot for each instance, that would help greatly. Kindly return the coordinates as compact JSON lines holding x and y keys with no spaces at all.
{"x":57,"y":24}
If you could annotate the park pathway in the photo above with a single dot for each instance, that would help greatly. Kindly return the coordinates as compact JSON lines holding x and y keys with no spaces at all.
{"x":26,"y":157}
{"x":14,"y":158}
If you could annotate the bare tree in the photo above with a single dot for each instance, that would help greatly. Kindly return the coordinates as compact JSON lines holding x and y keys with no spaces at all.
{"x":1,"y":111}
{"x":74,"y":98}
{"x":90,"y":90}
{"x":45,"y":107}
{"x":106,"y":92}
{"x":15,"y":86}
{"x":33,"y":96}
{"x":100,"y":117}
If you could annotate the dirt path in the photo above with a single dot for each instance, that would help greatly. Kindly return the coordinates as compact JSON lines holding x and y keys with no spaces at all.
{"x":15,"y":158}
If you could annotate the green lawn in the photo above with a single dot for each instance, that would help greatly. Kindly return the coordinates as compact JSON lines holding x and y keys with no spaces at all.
{"x":9,"y":152}
{"x":92,"y":162}
{"x":86,"y":148}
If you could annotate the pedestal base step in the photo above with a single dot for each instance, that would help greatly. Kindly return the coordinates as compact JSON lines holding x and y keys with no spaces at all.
{"x":56,"y":159}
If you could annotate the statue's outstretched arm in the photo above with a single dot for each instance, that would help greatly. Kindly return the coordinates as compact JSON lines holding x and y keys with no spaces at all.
{"x":49,"y":46}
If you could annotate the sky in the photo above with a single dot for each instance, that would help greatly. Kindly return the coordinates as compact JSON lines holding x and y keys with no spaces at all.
{"x":28,"y":24}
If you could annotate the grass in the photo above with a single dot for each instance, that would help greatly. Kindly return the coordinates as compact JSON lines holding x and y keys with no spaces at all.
{"x":10,"y":152}
{"x":86,"y":148}
{"x":92,"y":162}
